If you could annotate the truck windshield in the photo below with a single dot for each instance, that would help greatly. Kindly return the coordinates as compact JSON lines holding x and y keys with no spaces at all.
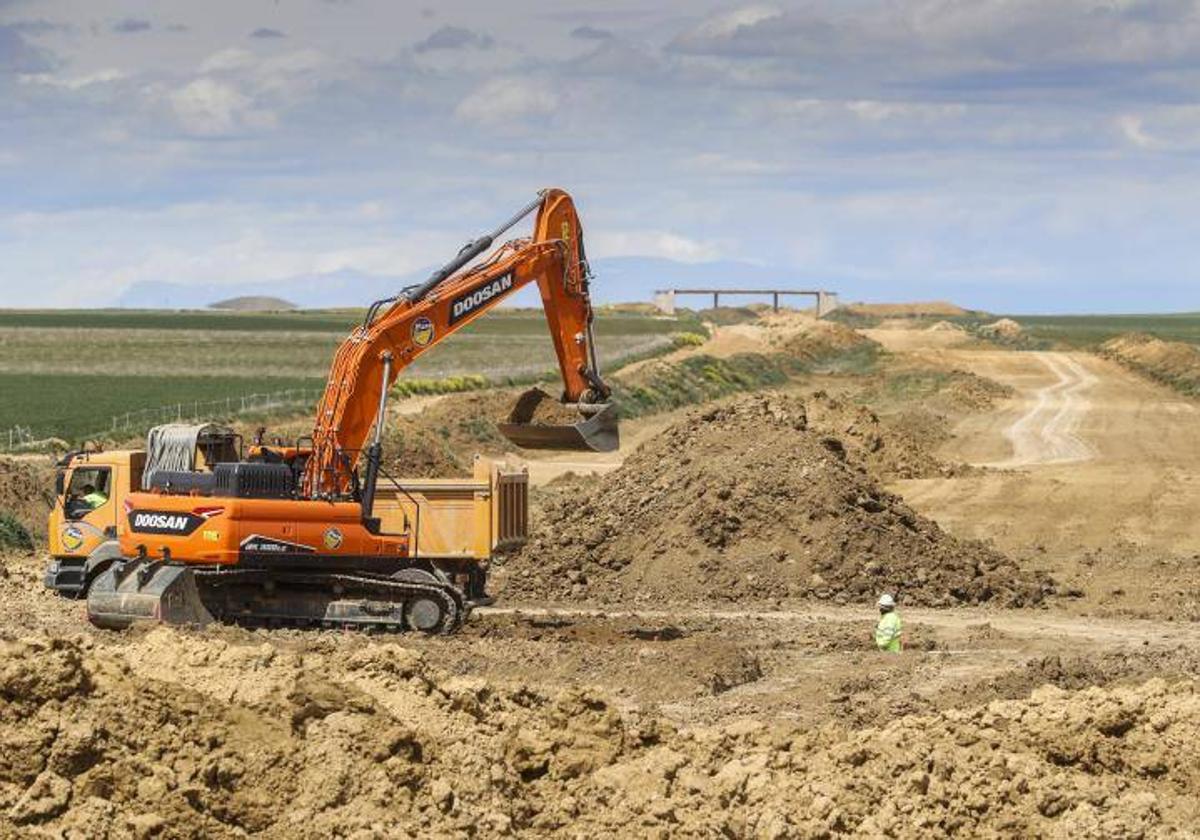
{"x":88,"y":490}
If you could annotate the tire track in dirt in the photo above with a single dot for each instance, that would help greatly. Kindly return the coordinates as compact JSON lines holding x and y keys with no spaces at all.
{"x":1048,"y":432}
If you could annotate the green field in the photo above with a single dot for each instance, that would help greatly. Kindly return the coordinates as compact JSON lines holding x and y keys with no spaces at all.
{"x":1092,"y":330}
{"x":68,"y":374}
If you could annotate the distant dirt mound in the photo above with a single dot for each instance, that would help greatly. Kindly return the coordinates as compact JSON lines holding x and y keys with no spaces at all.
{"x":254,"y":303}
{"x":1004,"y":328}
{"x":947,"y":327}
{"x":442,"y":440}
{"x":200,"y":735}
{"x":1173,"y":362}
{"x":821,"y":339}
{"x":749,"y":501}
{"x":968,"y":391}
{"x":935,"y":308}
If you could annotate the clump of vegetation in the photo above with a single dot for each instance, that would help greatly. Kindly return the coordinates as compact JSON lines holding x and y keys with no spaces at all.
{"x":14,"y":535}
{"x":687,"y":339}
{"x":449,"y":385}
{"x":697,"y":379}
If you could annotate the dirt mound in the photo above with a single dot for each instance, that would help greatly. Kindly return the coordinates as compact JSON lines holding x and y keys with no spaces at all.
{"x":254,"y":303}
{"x":891,"y":448}
{"x":947,"y":327}
{"x":822,"y":339}
{"x":1004,"y":328}
{"x":745,"y":502}
{"x":1173,"y":362}
{"x":25,"y":492}
{"x":442,"y":440}
{"x":371,"y":740}
{"x":966,"y":391}
{"x":935,"y":308}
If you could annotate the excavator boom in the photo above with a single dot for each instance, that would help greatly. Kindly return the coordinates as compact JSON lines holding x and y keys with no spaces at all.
{"x":399,"y":330}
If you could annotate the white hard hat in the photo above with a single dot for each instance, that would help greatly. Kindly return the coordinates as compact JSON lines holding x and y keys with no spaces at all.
{"x":886,"y":600}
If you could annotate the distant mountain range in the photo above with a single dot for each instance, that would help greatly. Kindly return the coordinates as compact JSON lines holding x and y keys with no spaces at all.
{"x":618,"y":280}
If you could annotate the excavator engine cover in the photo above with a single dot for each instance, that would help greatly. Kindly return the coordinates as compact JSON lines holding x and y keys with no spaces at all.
{"x":140,"y":590}
{"x":531,"y":424}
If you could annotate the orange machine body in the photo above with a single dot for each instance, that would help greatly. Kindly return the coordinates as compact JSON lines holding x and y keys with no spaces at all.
{"x":256,"y":532}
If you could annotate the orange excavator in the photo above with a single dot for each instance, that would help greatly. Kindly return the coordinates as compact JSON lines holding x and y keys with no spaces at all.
{"x":315,"y":533}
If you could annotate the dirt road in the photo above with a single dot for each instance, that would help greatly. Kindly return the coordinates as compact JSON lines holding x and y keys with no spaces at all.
{"x":1047,"y":433}
{"x":1092,"y":457}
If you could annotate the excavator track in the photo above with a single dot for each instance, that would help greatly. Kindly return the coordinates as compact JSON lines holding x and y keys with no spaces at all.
{"x":345,"y":601}
{"x":173,"y":593}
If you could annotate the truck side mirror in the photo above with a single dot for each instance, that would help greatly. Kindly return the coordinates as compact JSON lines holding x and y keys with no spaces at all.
{"x":60,"y":481}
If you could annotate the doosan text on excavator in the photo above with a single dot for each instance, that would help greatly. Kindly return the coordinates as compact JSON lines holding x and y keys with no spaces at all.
{"x":193,"y":529}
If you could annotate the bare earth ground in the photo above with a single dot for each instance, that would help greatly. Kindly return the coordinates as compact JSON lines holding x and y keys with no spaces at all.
{"x":1098,"y":475}
{"x":771,"y":720}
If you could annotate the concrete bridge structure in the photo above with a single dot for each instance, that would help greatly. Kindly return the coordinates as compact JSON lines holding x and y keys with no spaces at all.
{"x":826,"y":301}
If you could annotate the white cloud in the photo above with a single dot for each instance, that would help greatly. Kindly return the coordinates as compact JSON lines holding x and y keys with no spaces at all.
{"x":652,"y":243}
{"x":109,"y":74}
{"x":207,"y":107}
{"x":508,"y":100}
{"x":729,"y":23}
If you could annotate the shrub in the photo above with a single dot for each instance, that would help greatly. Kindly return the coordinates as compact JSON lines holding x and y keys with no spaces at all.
{"x":13,"y":534}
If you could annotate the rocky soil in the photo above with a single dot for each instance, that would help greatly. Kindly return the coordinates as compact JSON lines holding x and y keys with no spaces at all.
{"x":228,"y":735}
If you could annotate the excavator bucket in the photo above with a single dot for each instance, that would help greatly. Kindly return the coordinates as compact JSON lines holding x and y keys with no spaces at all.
{"x":538,"y":421}
{"x":140,"y":590}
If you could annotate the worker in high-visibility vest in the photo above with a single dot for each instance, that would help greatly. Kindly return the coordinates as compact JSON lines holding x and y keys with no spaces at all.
{"x":887,"y":631}
{"x":92,"y":497}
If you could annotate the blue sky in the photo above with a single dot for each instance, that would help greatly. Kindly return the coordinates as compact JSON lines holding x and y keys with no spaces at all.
{"x":1017,"y":154}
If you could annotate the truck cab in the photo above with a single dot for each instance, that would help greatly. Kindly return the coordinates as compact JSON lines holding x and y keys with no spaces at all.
{"x":89,"y":494}
{"x":91,"y":488}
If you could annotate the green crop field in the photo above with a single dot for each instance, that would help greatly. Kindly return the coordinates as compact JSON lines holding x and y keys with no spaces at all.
{"x":1091,"y":330}
{"x":68,"y":374}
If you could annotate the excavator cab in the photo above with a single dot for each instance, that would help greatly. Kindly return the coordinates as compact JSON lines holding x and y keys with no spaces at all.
{"x":538,"y":421}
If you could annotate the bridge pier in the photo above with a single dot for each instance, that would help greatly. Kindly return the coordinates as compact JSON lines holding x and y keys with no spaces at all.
{"x":826,"y":303}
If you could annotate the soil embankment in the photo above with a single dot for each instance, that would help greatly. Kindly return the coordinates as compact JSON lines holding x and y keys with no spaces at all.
{"x":747,"y":502}
{"x":1173,"y":363}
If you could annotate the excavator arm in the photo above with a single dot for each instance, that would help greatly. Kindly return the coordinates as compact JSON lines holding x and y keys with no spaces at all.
{"x":399,"y":330}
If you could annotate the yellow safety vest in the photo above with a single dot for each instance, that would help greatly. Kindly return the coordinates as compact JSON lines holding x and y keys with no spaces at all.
{"x":887,"y":632}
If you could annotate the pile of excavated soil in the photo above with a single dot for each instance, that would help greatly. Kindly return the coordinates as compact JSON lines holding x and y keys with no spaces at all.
{"x":1004,"y":328}
{"x":935,"y":308}
{"x":749,"y":501}
{"x":967,"y":391}
{"x":946,"y":327}
{"x":898,"y":447}
{"x":26,"y":492}
{"x":222,"y":736}
{"x":442,"y":440}
{"x":821,"y":339}
{"x":1174,"y":362}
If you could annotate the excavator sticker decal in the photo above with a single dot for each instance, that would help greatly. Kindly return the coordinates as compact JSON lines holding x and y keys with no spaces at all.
{"x":72,"y":538}
{"x":422,"y":331}
{"x":163,"y":522}
{"x":258,"y":544}
{"x":468,"y":302}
